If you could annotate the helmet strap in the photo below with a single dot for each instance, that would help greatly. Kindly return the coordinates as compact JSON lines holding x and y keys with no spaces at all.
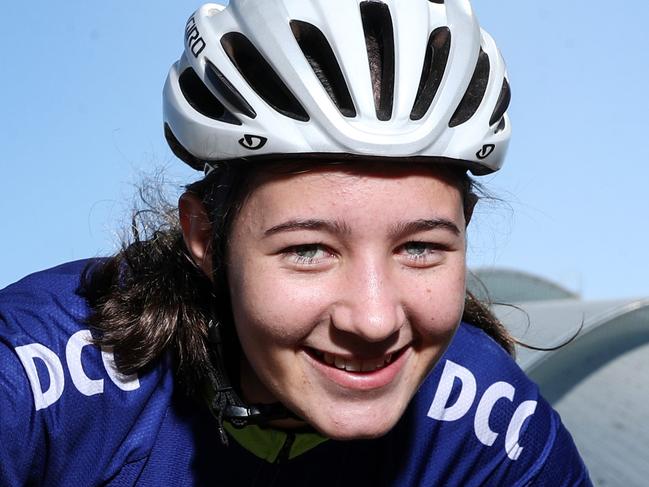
{"x":223,"y":400}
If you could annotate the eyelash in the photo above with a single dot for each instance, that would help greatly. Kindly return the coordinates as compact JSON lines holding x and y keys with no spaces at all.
{"x":292,"y":254}
{"x":430,"y":252}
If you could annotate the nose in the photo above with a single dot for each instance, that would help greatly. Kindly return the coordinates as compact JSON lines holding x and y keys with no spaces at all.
{"x":370,"y":305}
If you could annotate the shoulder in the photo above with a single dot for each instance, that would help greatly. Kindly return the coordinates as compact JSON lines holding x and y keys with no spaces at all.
{"x":41,"y":293}
{"x":65,"y":392}
{"x":474,"y":374}
{"x":485,"y":422}
{"x":42,"y":325}
{"x":41,"y":316}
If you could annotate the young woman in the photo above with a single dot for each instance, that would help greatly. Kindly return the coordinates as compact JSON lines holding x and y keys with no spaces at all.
{"x":306,"y":321}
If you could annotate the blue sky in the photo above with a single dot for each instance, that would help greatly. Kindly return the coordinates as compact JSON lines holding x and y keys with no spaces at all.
{"x":81,"y":122}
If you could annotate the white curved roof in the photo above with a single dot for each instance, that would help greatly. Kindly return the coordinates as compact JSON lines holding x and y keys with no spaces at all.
{"x":548,"y":324}
{"x":498,"y":285}
{"x":599,"y":382}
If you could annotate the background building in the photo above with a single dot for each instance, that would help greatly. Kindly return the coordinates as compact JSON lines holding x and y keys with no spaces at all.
{"x":599,"y":382}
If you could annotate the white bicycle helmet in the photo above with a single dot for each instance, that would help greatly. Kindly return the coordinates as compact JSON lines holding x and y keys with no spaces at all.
{"x":293,"y":79}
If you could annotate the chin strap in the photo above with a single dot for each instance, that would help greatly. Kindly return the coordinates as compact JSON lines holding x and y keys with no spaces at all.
{"x":225,"y":403}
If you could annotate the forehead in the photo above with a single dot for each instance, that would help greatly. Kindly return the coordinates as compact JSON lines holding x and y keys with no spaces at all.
{"x":345,"y":175}
{"x":341,"y":190}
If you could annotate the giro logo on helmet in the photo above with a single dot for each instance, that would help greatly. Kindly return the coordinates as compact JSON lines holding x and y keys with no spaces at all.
{"x":253,"y":142}
{"x":486,"y":151}
{"x":193,"y":38}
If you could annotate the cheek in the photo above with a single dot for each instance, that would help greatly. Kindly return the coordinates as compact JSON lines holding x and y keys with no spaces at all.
{"x":280,"y":311}
{"x":438,"y":304}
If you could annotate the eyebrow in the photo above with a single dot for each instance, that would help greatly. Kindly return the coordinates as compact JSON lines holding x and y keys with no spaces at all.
{"x":330,"y":226}
{"x":337,"y":227}
{"x":424,"y":225}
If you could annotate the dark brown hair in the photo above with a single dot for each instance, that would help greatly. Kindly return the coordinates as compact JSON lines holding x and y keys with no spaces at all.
{"x":151,"y":299}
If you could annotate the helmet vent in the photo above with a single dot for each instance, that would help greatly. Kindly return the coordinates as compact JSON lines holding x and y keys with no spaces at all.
{"x":261,"y":76}
{"x":501,"y":126}
{"x":322,"y":59}
{"x":502,"y":104}
{"x":439,"y":46}
{"x":474,"y":93}
{"x":379,"y":40}
{"x":227,"y":91}
{"x":201,"y":98}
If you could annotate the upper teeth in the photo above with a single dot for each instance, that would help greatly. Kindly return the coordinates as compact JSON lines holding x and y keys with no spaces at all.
{"x":356,"y":365}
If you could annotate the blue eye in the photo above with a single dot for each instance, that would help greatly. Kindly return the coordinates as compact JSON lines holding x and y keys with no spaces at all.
{"x":420,"y":254}
{"x":417,"y":248}
{"x":307,"y":251}
{"x":307,"y":254}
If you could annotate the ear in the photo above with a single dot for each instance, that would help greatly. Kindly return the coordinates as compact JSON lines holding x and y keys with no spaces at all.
{"x":197,"y":231}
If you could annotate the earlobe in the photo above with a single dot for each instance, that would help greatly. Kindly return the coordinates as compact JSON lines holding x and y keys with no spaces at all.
{"x":197,"y":231}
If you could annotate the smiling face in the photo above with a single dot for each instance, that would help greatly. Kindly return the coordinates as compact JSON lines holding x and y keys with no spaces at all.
{"x":346,"y":288}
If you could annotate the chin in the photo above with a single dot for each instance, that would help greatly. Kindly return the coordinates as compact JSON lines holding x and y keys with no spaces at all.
{"x":363,"y":425}
{"x":356,"y":432}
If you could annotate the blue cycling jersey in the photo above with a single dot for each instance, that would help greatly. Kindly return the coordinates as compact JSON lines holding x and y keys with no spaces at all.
{"x":68,"y":417}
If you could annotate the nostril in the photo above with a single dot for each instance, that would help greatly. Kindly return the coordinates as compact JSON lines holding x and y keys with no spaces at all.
{"x":370,"y":306}
{"x":369,"y":320}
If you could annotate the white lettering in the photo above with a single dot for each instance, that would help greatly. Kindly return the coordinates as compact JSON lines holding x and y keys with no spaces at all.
{"x":73,"y":355}
{"x":124,"y":382}
{"x":523,"y":411}
{"x":73,"y":349}
{"x":27,"y":355}
{"x":499,"y":390}
{"x":439,"y":409}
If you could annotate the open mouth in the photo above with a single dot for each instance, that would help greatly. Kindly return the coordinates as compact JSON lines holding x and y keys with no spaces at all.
{"x":351,"y":364}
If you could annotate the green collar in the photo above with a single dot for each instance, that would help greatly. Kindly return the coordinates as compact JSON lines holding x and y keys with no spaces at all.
{"x":267,"y":443}
{"x":271,"y":444}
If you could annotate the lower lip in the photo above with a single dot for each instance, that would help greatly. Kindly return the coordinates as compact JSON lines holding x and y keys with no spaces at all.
{"x":362,"y":381}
